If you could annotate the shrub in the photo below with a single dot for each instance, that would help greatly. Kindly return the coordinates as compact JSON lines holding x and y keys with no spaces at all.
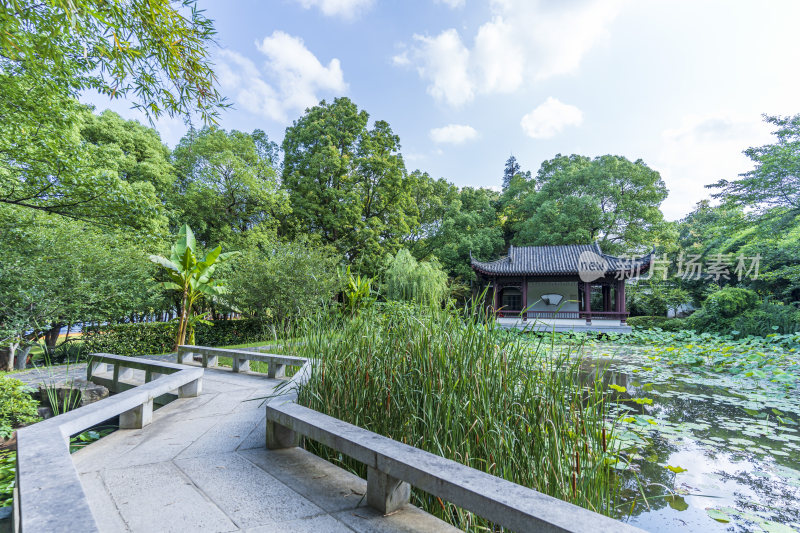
{"x":662,"y":322}
{"x":17,"y":406}
{"x":766,"y":319}
{"x":289,"y":280}
{"x":653,"y":298}
{"x":730,"y":302}
{"x":148,"y":338}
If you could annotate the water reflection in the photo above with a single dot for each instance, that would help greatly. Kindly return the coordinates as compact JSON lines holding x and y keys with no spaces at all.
{"x":735,"y":447}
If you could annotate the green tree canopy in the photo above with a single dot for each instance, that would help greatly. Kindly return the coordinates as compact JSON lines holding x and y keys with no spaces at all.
{"x":775,"y":180}
{"x":579,"y":200}
{"x":347,"y":183}
{"x":227,"y":187}
{"x":469,"y":224}
{"x":154,"y":51}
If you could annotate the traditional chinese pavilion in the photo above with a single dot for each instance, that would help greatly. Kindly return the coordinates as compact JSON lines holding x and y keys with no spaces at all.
{"x":575,"y":282}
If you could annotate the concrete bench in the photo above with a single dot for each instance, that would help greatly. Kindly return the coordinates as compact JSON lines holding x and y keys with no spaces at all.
{"x":393,"y":467}
{"x":240,"y":359}
{"x":49,"y":495}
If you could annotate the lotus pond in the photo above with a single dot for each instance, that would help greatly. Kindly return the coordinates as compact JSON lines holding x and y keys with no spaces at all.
{"x":708,"y":429}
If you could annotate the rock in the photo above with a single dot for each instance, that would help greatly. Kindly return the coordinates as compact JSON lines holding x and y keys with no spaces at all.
{"x":79,"y":391}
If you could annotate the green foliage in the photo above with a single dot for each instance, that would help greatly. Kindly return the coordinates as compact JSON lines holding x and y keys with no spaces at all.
{"x":407,"y":279}
{"x":150,"y":338}
{"x":193,"y":279}
{"x":285,"y":281}
{"x":655,"y":297}
{"x":457,"y":388}
{"x":775,"y":180}
{"x":469,"y":224}
{"x":578,"y":200}
{"x":227,"y":187}
{"x":347,"y":184}
{"x":652,"y":322}
{"x":729,"y":302}
{"x":8,"y":476}
{"x":357,"y":292}
{"x":17,"y":406}
{"x":154,"y":51}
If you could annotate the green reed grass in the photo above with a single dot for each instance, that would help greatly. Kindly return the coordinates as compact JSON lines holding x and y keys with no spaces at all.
{"x":453,"y":384}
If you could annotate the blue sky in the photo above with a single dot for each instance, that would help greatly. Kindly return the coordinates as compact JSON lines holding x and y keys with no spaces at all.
{"x":680,"y":84}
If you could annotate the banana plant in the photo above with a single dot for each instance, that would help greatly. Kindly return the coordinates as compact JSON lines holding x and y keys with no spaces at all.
{"x":357,"y":292}
{"x":192,"y":278}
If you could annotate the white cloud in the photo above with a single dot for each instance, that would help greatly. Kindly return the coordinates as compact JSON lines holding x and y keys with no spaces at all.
{"x":289,"y":81}
{"x":453,"y":134}
{"x":702,"y":150}
{"x":452,"y":4}
{"x":550,"y":118}
{"x":525,"y":40}
{"x":444,"y":61}
{"x":347,"y":9}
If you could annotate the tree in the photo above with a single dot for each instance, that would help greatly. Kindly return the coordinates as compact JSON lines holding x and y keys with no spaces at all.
{"x":153,"y":50}
{"x":51,"y":52}
{"x":468,"y":226}
{"x":406,"y":278}
{"x":511,"y":169}
{"x":193,"y":279}
{"x":227,"y":186}
{"x":775,"y":180}
{"x":578,"y":200}
{"x":132,"y":151}
{"x":284,"y":281}
{"x":347,"y":183}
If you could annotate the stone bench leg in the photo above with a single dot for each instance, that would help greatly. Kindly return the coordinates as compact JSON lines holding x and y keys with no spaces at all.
{"x":240,"y":365}
{"x":183,"y":355}
{"x":385,"y":493}
{"x":97,"y":367}
{"x":138,"y":417}
{"x":276,"y":370}
{"x":280,"y":437}
{"x":210,"y":360}
{"x":191,"y":390}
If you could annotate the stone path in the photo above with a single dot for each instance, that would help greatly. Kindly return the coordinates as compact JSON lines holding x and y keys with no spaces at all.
{"x":202,"y":465}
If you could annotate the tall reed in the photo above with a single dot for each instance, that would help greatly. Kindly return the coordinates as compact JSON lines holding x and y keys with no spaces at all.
{"x":451,"y":383}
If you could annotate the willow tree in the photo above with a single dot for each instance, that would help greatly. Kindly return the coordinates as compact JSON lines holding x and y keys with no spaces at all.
{"x":408,"y":279}
{"x":192,"y":278}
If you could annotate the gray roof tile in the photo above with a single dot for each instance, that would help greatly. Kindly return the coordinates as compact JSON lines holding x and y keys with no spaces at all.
{"x":554,"y":260}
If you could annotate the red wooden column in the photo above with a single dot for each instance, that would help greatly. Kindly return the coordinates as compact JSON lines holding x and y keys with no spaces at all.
{"x":587,"y":302}
{"x":496,"y":296}
{"x":524,"y":298}
{"x":621,"y":299}
{"x":606,"y":297}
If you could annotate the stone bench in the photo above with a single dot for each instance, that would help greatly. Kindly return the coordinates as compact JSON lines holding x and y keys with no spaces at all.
{"x":240,"y":359}
{"x":393,"y":467}
{"x":49,"y":495}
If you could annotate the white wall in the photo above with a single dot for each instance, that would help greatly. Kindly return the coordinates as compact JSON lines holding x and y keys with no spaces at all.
{"x":567,"y":289}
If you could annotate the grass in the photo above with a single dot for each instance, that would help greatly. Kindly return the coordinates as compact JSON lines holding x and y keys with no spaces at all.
{"x":457,"y":387}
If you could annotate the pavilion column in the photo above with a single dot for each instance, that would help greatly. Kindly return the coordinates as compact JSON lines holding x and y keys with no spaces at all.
{"x":587,"y":302}
{"x":524,"y":298}
{"x":621,"y":301}
{"x":496,"y":296}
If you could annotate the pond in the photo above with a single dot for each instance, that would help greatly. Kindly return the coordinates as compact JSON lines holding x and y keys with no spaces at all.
{"x":713,"y":450}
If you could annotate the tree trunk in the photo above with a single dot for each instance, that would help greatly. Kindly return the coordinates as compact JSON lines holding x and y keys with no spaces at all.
{"x":183,"y":320}
{"x":51,"y":336}
{"x":21,"y":357}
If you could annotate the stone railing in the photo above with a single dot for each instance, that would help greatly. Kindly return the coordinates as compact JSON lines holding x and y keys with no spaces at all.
{"x":240,"y":359}
{"x":393,"y":467}
{"x":48,"y":494}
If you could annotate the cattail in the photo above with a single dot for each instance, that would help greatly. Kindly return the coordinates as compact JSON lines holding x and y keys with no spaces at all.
{"x":605,"y":448}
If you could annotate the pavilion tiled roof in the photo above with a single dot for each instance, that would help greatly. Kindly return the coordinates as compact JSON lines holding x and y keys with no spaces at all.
{"x":554,"y":260}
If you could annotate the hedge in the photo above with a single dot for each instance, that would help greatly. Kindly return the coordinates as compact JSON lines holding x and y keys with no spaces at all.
{"x":148,"y":338}
{"x":650,"y":322}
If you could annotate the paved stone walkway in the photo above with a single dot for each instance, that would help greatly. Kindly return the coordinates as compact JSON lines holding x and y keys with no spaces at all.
{"x":202,"y":465}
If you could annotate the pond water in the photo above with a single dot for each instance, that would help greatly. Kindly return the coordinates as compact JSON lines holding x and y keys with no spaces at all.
{"x":713,"y":452}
